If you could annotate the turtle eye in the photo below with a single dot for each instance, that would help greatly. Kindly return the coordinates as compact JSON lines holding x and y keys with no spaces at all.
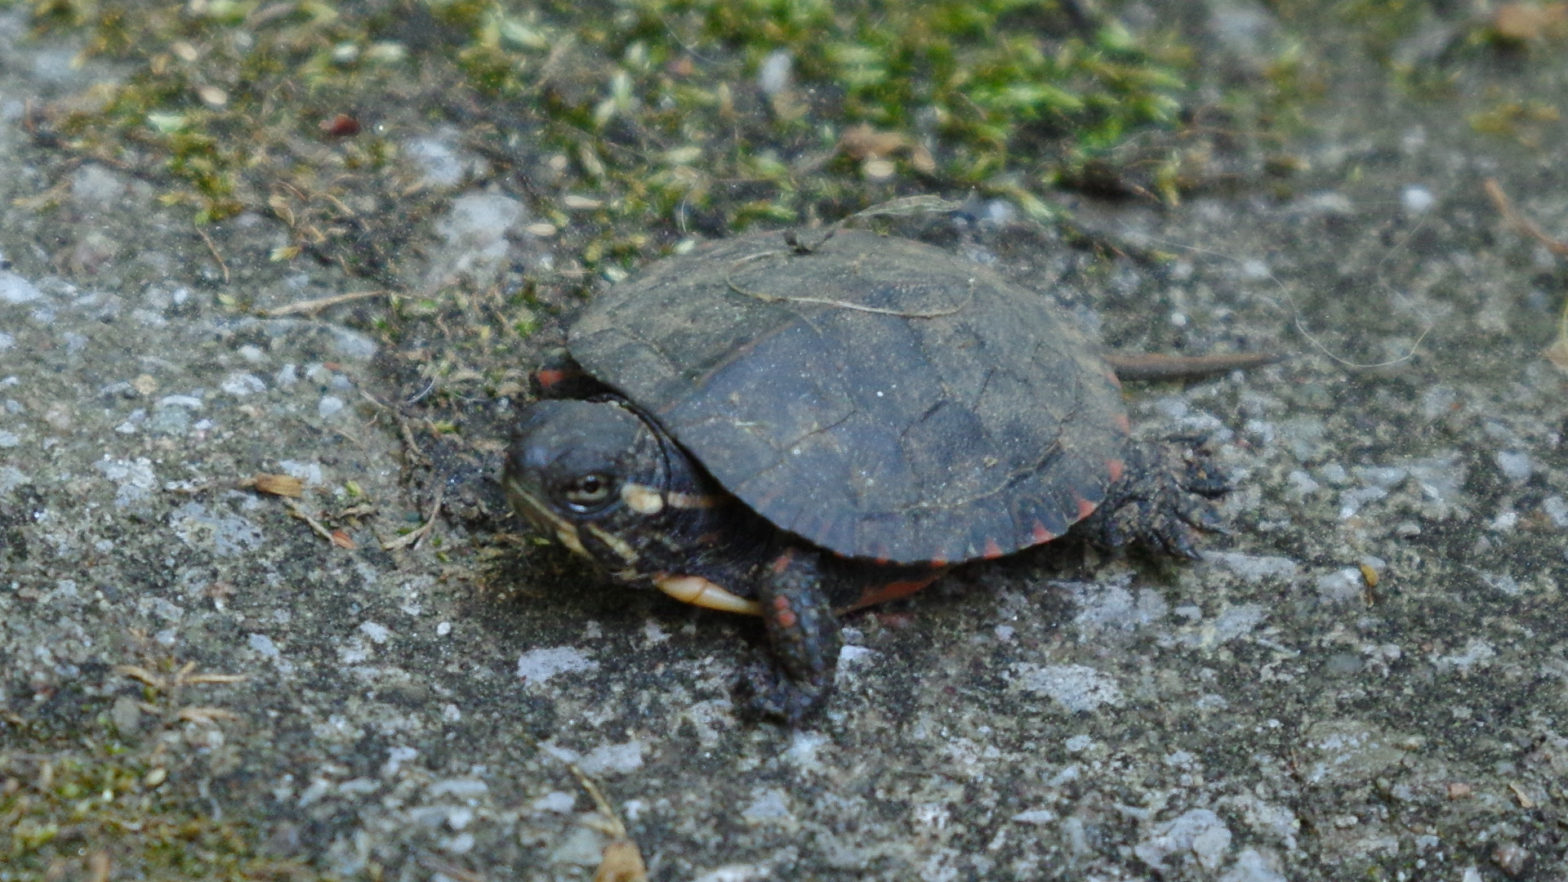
{"x":588,"y":492}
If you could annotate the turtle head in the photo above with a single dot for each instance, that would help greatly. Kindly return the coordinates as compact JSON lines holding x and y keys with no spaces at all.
{"x":594,"y":474}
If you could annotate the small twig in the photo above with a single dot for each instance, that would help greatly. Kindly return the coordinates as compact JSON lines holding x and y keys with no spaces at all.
{"x":213,"y":247}
{"x":826,"y":301}
{"x":206,"y":716}
{"x":449,"y":869}
{"x":185,"y":676}
{"x":140,"y":675}
{"x":412,"y":538}
{"x":1557,"y":351}
{"x":430,"y":386}
{"x":1505,"y":207}
{"x":621,"y":860}
{"x":407,"y":433}
{"x":906,"y":206}
{"x":316,"y":526}
{"x":314,"y":306}
{"x":1154,"y":366}
{"x":217,"y":678}
{"x":172,"y":685}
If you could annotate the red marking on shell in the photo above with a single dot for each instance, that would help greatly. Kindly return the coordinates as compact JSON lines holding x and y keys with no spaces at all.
{"x":1040,"y":535}
{"x":783,"y":616}
{"x":1085,"y":507}
{"x":1123,"y":424}
{"x":883,"y":592}
{"x":992,"y":550}
{"x":781,"y":563}
{"x":340,"y":126}
{"x":1115,"y":467}
{"x":895,"y":620}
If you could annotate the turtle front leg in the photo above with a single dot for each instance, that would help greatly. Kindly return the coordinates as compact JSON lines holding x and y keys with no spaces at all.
{"x":804,"y":634}
{"x":1165,"y":493}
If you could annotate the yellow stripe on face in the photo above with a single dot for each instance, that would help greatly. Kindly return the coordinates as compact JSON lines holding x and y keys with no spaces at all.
{"x":567,"y":535}
{"x":542,"y":516}
{"x":622,"y":549}
{"x":641,"y":498}
{"x":677,"y":499}
{"x":700,"y":592}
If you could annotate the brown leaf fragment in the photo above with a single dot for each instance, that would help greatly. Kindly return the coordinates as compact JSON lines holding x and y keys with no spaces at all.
{"x":622,"y":862}
{"x":1369,"y":575}
{"x":873,"y":146}
{"x":1530,"y":22}
{"x":1557,"y":353}
{"x":99,"y":866}
{"x":341,"y":125}
{"x":1525,"y":800}
{"x":863,"y":142}
{"x":276,"y":485}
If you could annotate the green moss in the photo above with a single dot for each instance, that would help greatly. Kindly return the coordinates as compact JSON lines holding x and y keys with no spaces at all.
{"x":654,"y":104}
{"x":980,"y":95}
{"x":1528,"y":121}
{"x":619,"y":123}
{"x":226,"y":103}
{"x":74,"y":795}
{"x":1379,"y":24}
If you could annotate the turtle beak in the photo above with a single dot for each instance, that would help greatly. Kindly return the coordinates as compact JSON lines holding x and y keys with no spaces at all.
{"x":525,"y":499}
{"x":559,"y":444}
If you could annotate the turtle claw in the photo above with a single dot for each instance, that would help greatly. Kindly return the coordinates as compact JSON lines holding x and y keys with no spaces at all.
{"x":769,"y":693}
{"x":1209,"y":521}
{"x":1164,"y":499}
{"x":1179,"y":544}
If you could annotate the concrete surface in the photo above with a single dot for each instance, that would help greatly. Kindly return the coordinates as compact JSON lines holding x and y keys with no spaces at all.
{"x":1364,"y":679}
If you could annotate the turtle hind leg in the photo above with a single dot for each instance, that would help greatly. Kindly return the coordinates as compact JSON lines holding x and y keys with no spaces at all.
{"x":804,"y":635}
{"x":1164,"y":497}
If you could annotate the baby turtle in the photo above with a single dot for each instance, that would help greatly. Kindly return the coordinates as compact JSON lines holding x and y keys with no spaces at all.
{"x":796,"y":432}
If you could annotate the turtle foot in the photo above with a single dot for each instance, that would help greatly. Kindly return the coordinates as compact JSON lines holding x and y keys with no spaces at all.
{"x":1164,"y":498}
{"x":769,"y":693}
{"x":803,"y":633}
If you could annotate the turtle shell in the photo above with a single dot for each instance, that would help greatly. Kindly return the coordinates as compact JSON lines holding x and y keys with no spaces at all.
{"x":878,"y":397}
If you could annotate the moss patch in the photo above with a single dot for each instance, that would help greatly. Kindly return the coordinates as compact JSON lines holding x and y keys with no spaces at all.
{"x":84,"y":799}
{"x":718,"y":115}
